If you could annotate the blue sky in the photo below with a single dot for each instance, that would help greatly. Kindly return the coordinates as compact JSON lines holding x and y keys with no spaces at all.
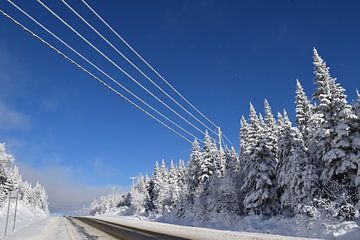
{"x":79,"y":138}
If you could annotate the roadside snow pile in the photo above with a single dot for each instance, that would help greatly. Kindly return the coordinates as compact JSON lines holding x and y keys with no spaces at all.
{"x":25,"y":216}
{"x":349,"y":230}
{"x":32,"y":203}
{"x":195,"y":233}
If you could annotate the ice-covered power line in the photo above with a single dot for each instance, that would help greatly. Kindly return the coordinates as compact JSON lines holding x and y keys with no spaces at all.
{"x":150,"y":66}
{"x":117,"y":66}
{"x":134,"y":65}
{"x":92,"y":75}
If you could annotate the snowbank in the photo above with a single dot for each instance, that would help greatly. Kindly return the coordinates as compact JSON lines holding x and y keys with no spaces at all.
{"x":348,"y":230}
{"x":280,"y":226}
{"x":25,"y":216}
{"x":191,"y":232}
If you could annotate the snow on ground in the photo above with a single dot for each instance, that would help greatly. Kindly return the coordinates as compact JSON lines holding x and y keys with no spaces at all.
{"x":52,"y":228}
{"x":25,"y":216}
{"x":195,"y":233}
{"x":349,"y":230}
{"x":282,"y":226}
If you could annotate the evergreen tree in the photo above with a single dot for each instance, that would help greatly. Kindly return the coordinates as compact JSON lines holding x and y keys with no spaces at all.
{"x":231,"y":161}
{"x":295,"y":175}
{"x":357,"y":104}
{"x":333,"y":135}
{"x":193,"y":173}
{"x":270,"y":128}
{"x":207,"y":163}
{"x":259,"y":187}
{"x":244,"y":131}
{"x":303,"y":110}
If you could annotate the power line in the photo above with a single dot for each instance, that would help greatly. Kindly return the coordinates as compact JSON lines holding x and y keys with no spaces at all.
{"x":97,"y":68}
{"x":116,"y":65}
{"x":150,"y":66}
{"x":132,"y":64}
{"x":92,"y":75}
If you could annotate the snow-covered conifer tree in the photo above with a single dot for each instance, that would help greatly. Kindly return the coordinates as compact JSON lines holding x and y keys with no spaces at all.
{"x":231,"y":160}
{"x":357,"y":104}
{"x":207,"y":163}
{"x":303,"y":110}
{"x":259,"y":183}
{"x":295,"y":175}
{"x":270,"y":128}
{"x":333,"y":133}
{"x":193,"y":173}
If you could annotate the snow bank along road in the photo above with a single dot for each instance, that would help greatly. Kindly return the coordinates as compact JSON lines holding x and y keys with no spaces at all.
{"x":108,"y":228}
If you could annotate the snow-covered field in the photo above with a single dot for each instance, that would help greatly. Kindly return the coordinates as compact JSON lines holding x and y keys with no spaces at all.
{"x":25,"y":216}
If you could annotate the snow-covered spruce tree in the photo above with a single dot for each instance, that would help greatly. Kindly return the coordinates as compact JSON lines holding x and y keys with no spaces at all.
{"x":154,"y":190}
{"x":218,"y":159}
{"x":259,"y":183}
{"x":139,"y":195}
{"x":303,"y":110}
{"x":40,"y":197}
{"x":175,"y":190}
{"x":6,"y":160}
{"x":207,"y":160}
{"x":334,"y":135}
{"x":193,"y":172}
{"x":295,"y":175}
{"x":163,"y":200}
{"x":210,"y":168}
{"x":357,"y":104}
{"x":244,"y":145}
{"x":10,"y":179}
{"x":270,"y":128}
{"x":181,"y":204}
{"x":231,"y":161}
{"x":225,"y":199}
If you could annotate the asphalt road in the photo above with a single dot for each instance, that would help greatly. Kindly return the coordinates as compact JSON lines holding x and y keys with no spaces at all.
{"x":123,"y":232}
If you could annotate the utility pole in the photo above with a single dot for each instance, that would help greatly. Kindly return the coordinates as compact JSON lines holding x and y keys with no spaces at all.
{"x":220,"y":150}
{"x":133,"y":182}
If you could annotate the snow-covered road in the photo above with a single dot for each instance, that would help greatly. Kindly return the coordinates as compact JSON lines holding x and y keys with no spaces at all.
{"x":60,"y":228}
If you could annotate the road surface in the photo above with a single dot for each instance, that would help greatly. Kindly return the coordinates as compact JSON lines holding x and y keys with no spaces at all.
{"x":108,"y":228}
{"x":124,"y":232}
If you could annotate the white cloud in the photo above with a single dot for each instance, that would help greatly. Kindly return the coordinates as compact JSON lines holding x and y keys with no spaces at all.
{"x":11,"y":119}
{"x":65,"y":193}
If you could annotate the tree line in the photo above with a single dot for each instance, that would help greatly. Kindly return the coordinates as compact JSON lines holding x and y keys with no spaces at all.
{"x":312,"y":168}
{"x":10,"y":180}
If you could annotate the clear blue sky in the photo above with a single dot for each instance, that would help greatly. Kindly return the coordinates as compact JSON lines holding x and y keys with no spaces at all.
{"x":221,"y":55}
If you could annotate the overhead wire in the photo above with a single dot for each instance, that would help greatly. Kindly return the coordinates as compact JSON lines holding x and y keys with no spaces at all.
{"x":92,"y":75}
{"x":117,"y":66}
{"x":134,"y":65}
{"x":149,"y":65}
